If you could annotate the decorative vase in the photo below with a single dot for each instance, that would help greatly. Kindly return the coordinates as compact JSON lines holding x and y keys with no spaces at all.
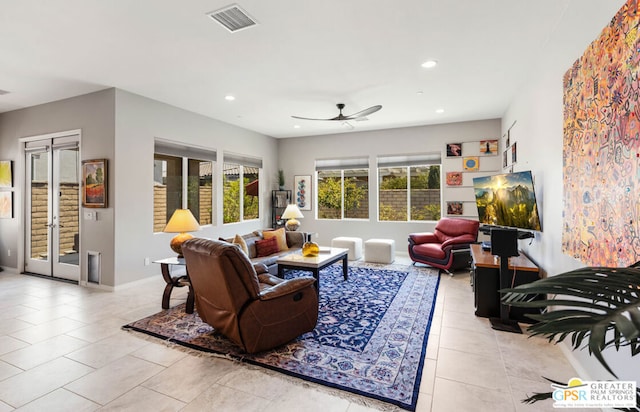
{"x":310,"y":249}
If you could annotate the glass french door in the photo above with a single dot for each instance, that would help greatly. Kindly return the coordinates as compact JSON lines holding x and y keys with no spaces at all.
{"x":52,"y":235}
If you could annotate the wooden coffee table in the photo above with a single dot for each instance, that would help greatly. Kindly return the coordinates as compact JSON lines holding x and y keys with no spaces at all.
{"x":315,"y":264}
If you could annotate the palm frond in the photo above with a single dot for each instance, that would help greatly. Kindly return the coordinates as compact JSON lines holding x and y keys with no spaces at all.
{"x":593,"y":303}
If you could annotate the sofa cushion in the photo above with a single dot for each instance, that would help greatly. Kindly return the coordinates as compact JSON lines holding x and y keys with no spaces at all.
{"x":239,"y":240}
{"x":267,"y":247}
{"x":280,"y":237}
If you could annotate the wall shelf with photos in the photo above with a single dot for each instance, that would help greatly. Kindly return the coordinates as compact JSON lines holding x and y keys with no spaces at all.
{"x":463,"y":162}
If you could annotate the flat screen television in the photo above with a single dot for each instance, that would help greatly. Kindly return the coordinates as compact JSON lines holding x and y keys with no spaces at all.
{"x":507,"y":200}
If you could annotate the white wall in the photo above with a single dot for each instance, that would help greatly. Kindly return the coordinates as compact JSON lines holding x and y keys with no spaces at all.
{"x":538,"y":112}
{"x":297,"y":157}
{"x":92,"y":113}
{"x":121,"y":127}
{"x":138,"y":122}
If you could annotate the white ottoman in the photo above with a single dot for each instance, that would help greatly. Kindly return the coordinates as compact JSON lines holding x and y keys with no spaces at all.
{"x":354,"y":244}
{"x":379,"y":250}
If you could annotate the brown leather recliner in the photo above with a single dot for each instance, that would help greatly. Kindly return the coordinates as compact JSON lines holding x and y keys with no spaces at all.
{"x":448,"y":246}
{"x":257,"y":311}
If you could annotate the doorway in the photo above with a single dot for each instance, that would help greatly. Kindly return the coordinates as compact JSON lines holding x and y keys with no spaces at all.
{"x":52,"y":206}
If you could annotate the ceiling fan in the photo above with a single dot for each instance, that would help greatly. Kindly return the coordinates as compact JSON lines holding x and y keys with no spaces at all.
{"x":356,"y":116}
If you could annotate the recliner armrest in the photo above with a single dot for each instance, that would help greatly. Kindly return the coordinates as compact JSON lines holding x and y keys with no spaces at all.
{"x":426,"y":237}
{"x":286,"y":288}
{"x":260,"y":268}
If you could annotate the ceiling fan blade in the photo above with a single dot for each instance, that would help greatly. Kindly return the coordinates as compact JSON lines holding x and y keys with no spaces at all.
{"x":309,"y":118}
{"x":364,"y":112}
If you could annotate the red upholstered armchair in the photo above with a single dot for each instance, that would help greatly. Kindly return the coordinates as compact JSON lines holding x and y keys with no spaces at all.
{"x":448,"y":246}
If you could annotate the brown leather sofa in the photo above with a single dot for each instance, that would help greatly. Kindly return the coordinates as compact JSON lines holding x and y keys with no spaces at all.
{"x":447,"y":247}
{"x":254,"y":309}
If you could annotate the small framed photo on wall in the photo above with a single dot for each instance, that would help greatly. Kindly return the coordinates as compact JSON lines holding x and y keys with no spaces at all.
{"x":454,"y":149}
{"x":454,"y":208}
{"x":94,"y":183}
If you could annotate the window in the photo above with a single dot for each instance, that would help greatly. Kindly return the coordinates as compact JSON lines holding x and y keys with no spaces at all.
{"x":409,"y":188}
{"x":241,"y":201}
{"x":343,"y":188}
{"x":182,"y":179}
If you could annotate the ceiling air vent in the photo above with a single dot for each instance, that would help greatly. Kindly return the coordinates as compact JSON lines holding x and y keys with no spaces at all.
{"x":233,"y":18}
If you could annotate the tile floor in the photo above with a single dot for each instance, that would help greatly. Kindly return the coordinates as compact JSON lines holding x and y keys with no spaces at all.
{"x":62,"y":349}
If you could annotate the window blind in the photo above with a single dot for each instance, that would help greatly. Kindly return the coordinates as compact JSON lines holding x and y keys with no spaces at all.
{"x":167,"y":147}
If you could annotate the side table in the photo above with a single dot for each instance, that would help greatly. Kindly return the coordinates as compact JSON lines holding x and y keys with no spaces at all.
{"x":175,"y":281}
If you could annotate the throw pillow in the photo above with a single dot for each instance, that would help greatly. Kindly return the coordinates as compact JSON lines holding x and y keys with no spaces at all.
{"x":280,"y":237}
{"x":267,"y":247}
{"x":239,"y":241}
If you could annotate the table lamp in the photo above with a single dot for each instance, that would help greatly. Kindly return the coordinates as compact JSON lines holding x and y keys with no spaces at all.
{"x":181,"y":221}
{"x":292,"y":213}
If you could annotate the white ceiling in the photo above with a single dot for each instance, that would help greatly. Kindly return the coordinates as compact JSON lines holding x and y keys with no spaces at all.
{"x":301,"y":59}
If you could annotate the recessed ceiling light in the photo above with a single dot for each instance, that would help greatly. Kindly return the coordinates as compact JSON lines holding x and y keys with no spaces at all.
{"x":440,"y":111}
{"x":229,"y":98}
{"x":429,"y":64}
{"x":419,"y":93}
{"x":296,"y":126}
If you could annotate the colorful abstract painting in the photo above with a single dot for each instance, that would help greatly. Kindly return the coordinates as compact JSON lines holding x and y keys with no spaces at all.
{"x":488,"y":147}
{"x":601,"y":147}
{"x":6,"y":180}
{"x":302,"y":189}
{"x":454,"y":178}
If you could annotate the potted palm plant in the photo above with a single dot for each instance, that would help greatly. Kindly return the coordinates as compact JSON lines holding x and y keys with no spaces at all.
{"x":596,"y":306}
{"x":281,"y":179}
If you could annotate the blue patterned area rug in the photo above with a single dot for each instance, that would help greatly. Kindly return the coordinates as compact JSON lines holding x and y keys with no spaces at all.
{"x":370,"y":339}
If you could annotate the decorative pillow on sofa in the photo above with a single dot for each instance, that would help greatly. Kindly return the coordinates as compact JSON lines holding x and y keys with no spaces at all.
{"x":280,"y":237}
{"x":239,"y":240}
{"x":267,"y":247}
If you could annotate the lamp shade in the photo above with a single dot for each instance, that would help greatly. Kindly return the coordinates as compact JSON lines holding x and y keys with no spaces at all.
{"x":181,"y":221}
{"x":292,"y":213}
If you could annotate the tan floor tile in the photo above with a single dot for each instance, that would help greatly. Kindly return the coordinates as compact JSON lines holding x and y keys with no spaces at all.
{"x":47,"y":330}
{"x":34,"y":383}
{"x":113,"y":380}
{"x":257,"y":382}
{"x":308,"y":400}
{"x":5,"y":408}
{"x":9,"y":344}
{"x":471,"y":342}
{"x":7,"y":370}
{"x":471,"y":369}
{"x":107,"y":350}
{"x":424,"y":403}
{"x":60,"y":400}
{"x":159,"y":353}
{"x":99,"y":330}
{"x":42,"y":352}
{"x":218,"y":398}
{"x":187,"y":378}
{"x":467,"y":321}
{"x":428,"y":376}
{"x":456,"y":396}
{"x":142,"y":399}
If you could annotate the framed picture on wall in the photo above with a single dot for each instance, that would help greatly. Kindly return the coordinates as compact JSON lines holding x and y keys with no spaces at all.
{"x":514,"y":153}
{"x":6,"y":205}
{"x":94,"y":183}
{"x":488,"y":147}
{"x":6,"y":177}
{"x":471,"y":163}
{"x":454,"y":178}
{"x":454,"y":208}
{"x":454,"y":149}
{"x":302,"y":191}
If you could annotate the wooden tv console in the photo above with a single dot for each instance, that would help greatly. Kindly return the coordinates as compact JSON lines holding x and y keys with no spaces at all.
{"x":485,"y":274}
